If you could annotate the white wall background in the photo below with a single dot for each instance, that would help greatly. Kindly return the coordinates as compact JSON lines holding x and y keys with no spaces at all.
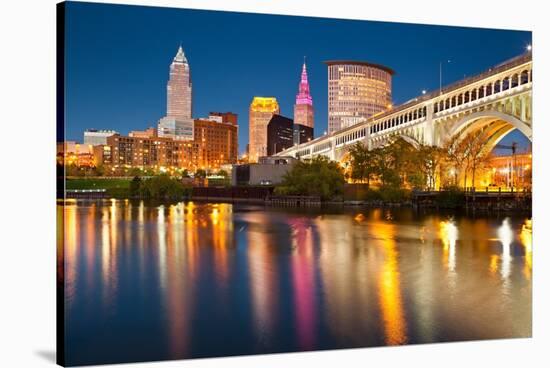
{"x":27,"y":181}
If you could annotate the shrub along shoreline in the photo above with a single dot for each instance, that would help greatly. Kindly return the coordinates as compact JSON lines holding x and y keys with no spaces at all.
{"x":161,"y":187}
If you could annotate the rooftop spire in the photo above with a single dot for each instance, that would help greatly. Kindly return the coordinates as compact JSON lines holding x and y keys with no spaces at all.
{"x":304,"y":72}
{"x":303,"y":96}
{"x":180,"y":56}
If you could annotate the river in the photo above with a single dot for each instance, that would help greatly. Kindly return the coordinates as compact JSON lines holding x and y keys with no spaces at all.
{"x":149,"y":281}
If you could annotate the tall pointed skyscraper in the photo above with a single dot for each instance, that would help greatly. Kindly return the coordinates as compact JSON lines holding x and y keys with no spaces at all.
{"x":303,"y":109}
{"x":179,"y":90}
{"x":178,"y":122}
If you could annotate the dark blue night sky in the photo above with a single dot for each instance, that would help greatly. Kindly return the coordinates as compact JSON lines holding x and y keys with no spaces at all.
{"x":118,"y":58}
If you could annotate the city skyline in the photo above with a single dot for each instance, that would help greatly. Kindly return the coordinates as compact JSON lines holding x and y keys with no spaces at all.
{"x":99,"y":72}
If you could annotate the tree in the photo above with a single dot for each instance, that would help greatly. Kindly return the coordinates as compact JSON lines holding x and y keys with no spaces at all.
{"x":401,"y":154}
{"x":363,"y":163}
{"x":316,"y":177}
{"x":223,"y":173}
{"x":428,"y":159}
{"x":135,"y":186}
{"x":163,"y":187}
{"x":476,"y":151}
{"x":455,"y":157}
{"x":467,"y":154}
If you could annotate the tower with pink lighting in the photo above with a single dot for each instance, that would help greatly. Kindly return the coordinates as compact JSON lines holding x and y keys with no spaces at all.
{"x":303,"y":109}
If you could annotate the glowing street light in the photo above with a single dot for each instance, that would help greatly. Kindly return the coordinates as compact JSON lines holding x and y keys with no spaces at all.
{"x":423,"y":91}
{"x":529,"y":47}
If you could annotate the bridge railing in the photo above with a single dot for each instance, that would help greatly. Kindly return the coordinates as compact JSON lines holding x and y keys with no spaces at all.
{"x":478,"y":190}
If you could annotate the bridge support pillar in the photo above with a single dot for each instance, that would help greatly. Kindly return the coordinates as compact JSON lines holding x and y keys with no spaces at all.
{"x":428,"y":127}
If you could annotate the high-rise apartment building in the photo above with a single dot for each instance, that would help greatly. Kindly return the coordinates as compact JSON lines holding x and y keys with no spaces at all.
{"x":154,"y":152}
{"x":261,"y":111}
{"x":356,"y":91}
{"x":303,"y":108}
{"x":214,"y":144}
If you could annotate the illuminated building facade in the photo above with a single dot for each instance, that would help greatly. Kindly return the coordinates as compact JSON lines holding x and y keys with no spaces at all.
{"x":303,"y":108}
{"x":509,"y":171}
{"x":179,"y":88}
{"x":356,"y":91}
{"x":280,"y":134}
{"x":261,"y":111}
{"x":214,"y":144}
{"x":157,"y":152}
{"x":73,"y":153}
{"x":178,"y":122}
{"x":217,"y":142}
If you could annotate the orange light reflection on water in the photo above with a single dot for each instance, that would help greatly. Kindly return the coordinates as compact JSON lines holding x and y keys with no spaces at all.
{"x":390,"y":288}
{"x":526,"y":238}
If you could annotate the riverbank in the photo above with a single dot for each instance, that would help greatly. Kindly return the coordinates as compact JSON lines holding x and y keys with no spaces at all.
{"x":353,"y":196}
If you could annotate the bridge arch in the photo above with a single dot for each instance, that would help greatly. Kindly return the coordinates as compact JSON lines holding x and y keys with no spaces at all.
{"x":413,"y":142}
{"x":495,"y":123}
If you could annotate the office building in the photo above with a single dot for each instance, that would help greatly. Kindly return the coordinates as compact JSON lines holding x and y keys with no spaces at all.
{"x":179,"y":89}
{"x":356,"y":91}
{"x":302,"y":133}
{"x":178,"y":122}
{"x":217,"y":142}
{"x":176,"y":128}
{"x":280,"y":134}
{"x":303,"y":108}
{"x":261,"y":111}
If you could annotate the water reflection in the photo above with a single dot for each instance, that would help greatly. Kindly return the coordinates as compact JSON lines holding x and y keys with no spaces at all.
{"x":449,"y":235}
{"x":506,"y":236}
{"x":262,"y":245}
{"x":303,"y":282}
{"x":526,"y":237}
{"x":390,"y":289}
{"x":194,"y":280}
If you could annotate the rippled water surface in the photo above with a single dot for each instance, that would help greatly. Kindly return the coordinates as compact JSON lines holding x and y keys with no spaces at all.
{"x":150,"y":282}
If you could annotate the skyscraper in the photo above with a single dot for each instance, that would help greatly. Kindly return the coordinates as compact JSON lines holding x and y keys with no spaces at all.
{"x":280,"y":134}
{"x":260,"y":113}
{"x":179,"y":89}
{"x":356,"y":91}
{"x":178,"y":122}
{"x":302,"y":133}
{"x":303,"y":109}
